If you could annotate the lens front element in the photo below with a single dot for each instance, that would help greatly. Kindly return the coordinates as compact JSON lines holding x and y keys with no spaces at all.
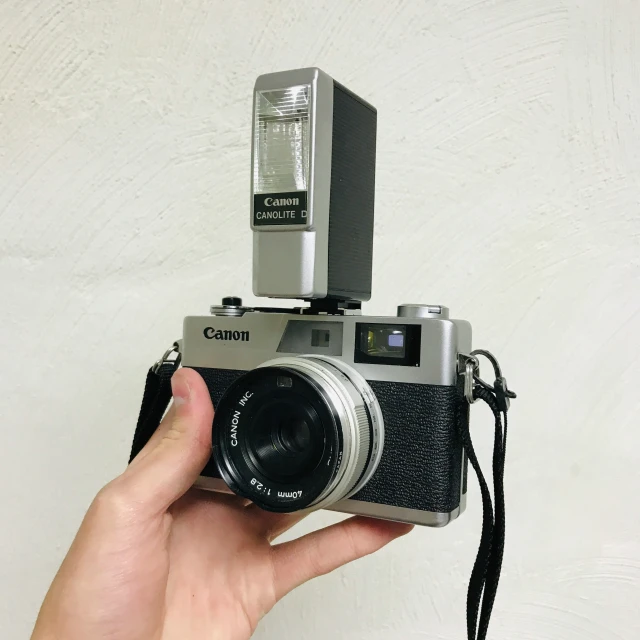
{"x":286,"y":439}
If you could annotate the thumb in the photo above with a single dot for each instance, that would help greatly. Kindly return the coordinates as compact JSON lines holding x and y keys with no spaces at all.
{"x":172,"y":460}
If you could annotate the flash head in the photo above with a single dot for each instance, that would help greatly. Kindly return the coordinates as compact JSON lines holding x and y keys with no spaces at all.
{"x":312,"y":188}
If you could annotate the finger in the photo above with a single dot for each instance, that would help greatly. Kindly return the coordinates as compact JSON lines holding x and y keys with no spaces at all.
{"x":323,"y":551}
{"x":220,"y":497}
{"x":210,"y":499}
{"x":181,"y":451}
{"x":272,"y":525}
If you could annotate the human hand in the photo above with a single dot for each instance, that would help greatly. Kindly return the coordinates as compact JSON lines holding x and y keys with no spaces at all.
{"x":155,"y":560}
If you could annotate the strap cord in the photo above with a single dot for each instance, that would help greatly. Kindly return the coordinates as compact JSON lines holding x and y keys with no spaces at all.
{"x":483,"y":583}
{"x":485,"y":575}
{"x":155,"y":399}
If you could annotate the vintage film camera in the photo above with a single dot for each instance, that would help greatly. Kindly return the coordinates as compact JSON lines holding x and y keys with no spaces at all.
{"x":320,"y":406}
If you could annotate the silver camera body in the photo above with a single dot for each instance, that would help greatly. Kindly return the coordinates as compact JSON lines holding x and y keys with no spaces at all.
{"x":358,"y":414}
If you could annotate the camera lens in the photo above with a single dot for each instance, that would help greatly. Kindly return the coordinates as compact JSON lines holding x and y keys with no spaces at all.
{"x":287,"y":439}
{"x":293,"y":436}
{"x":296,"y":433}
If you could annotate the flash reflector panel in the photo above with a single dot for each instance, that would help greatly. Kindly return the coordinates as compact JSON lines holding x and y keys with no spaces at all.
{"x":281,"y":144}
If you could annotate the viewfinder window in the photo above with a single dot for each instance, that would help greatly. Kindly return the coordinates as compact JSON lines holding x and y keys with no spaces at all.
{"x":388,"y":344}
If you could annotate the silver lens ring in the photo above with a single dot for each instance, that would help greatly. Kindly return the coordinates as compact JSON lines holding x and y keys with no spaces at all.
{"x":375,"y":416}
{"x":359,"y":418}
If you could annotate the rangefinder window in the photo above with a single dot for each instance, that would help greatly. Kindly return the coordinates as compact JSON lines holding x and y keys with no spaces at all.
{"x":388,"y":344}
{"x":304,"y":336}
{"x":320,"y":338}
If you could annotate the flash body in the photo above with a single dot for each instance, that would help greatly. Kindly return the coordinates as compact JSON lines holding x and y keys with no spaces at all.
{"x":312,"y":188}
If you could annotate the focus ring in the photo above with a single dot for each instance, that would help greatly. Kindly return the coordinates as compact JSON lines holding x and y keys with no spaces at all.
{"x":362,"y":438}
{"x":365,"y":440}
{"x":374,"y":414}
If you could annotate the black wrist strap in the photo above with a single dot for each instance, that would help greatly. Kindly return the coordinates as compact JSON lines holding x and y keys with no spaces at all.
{"x":155,"y":400}
{"x":483,"y":583}
{"x":485,"y":575}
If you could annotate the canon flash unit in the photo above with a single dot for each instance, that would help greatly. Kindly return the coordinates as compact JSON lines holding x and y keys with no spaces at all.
{"x":313,"y":182}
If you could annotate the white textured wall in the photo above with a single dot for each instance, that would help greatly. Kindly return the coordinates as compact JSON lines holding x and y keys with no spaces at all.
{"x":508,"y":189}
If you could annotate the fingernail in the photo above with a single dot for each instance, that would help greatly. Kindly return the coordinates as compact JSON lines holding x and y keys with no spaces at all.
{"x":180,"y":389}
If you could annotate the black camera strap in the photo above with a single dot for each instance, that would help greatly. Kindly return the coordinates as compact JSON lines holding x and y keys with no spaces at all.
{"x":156,"y":398}
{"x":485,"y":575}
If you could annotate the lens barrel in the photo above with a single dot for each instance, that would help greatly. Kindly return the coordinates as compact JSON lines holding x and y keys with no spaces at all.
{"x":299,"y":432}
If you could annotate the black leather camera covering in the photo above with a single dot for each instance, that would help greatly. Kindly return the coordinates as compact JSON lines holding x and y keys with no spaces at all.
{"x":421,"y":465}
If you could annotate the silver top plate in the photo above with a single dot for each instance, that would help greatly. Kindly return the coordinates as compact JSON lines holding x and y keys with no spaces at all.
{"x":246,"y":342}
